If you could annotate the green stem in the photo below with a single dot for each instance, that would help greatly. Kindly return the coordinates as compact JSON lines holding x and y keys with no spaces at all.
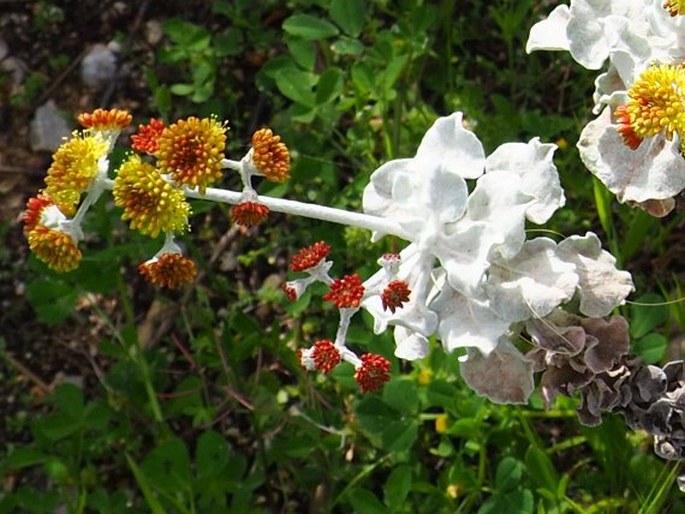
{"x":152,"y":396}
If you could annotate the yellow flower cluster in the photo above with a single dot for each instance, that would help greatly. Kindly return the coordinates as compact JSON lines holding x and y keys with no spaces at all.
{"x":54,"y":247}
{"x":74,"y":166}
{"x":149,"y":189}
{"x":151,"y":203}
{"x":656,"y":105}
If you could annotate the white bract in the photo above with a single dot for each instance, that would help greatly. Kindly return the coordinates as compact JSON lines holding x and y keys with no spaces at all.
{"x":631,"y":35}
{"x":472,"y":273}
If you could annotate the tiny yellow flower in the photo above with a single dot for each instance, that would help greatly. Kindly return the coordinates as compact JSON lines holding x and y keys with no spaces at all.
{"x":270,"y":155}
{"x":425,"y":376}
{"x":171,"y":270}
{"x":150,"y":202}
{"x":191,"y":151}
{"x":55,"y":248}
{"x":441,"y":423}
{"x":453,"y":491}
{"x":74,"y":166}
{"x":561,"y":143}
{"x":656,"y":104}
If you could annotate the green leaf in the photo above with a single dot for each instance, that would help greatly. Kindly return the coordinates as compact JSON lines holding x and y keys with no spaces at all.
{"x":189,"y":36}
{"x":99,"y":272}
{"x":400,"y":435}
{"x":303,"y":52}
{"x":297,"y":85}
{"x":397,"y":487}
{"x":541,"y":469}
{"x":211,"y":455}
{"x":365,"y":502}
{"x":652,"y":348}
{"x":330,"y":85}
{"x":22,"y":457}
{"x":374,"y":414}
{"x":52,"y":300}
{"x":509,"y":473}
{"x":520,"y":502}
{"x":646,"y":318}
{"x":309,"y":27}
{"x":145,"y":487}
{"x":182,"y":89}
{"x":363,"y":77}
{"x":349,"y":15}
{"x":68,"y":418}
{"x":229,"y":43}
{"x":168,"y":467}
{"x":402,"y":395}
{"x":347,"y":46}
{"x":443,"y":394}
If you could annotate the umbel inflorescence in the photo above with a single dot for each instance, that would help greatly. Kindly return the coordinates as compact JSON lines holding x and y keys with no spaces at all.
{"x":468,"y":276}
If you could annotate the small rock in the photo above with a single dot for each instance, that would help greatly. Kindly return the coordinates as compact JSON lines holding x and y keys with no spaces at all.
{"x":99,"y":66}
{"x":48,"y":128}
{"x":153,"y":32}
{"x":15,"y":68}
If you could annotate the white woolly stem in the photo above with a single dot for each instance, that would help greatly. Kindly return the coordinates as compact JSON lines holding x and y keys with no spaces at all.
{"x":307,"y":210}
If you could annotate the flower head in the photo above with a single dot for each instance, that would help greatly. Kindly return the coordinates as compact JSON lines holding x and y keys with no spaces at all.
{"x":147,"y":138}
{"x":249,"y":213}
{"x":105,"y":120}
{"x":191,"y":151}
{"x":310,"y":256}
{"x":656,"y":104}
{"x":395,"y":294}
{"x":150,"y":202}
{"x":373,"y":372}
{"x":270,"y":155}
{"x":675,"y":7}
{"x":55,"y":248}
{"x":74,"y":166}
{"x":34,"y":211}
{"x":346,"y":292}
{"x":322,"y":356}
{"x":390,"y":262}
{"x":170,"y":269}
{"x":293,"y":290}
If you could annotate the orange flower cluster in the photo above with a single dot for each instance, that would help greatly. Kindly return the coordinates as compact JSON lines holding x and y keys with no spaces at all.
{"x":270,"y":155}
{"x":171,"y":270}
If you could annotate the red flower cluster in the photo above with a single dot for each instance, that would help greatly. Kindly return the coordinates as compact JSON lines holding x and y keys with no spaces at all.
{"x":346,"y":292}
{"x":373,"y":373}
{"x":395,"y":294}
{"x":310,"y":256}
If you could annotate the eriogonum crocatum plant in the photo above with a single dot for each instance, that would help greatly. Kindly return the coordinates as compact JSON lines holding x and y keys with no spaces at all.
{"x":468,"y":275}
{"x":634,"y":146}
